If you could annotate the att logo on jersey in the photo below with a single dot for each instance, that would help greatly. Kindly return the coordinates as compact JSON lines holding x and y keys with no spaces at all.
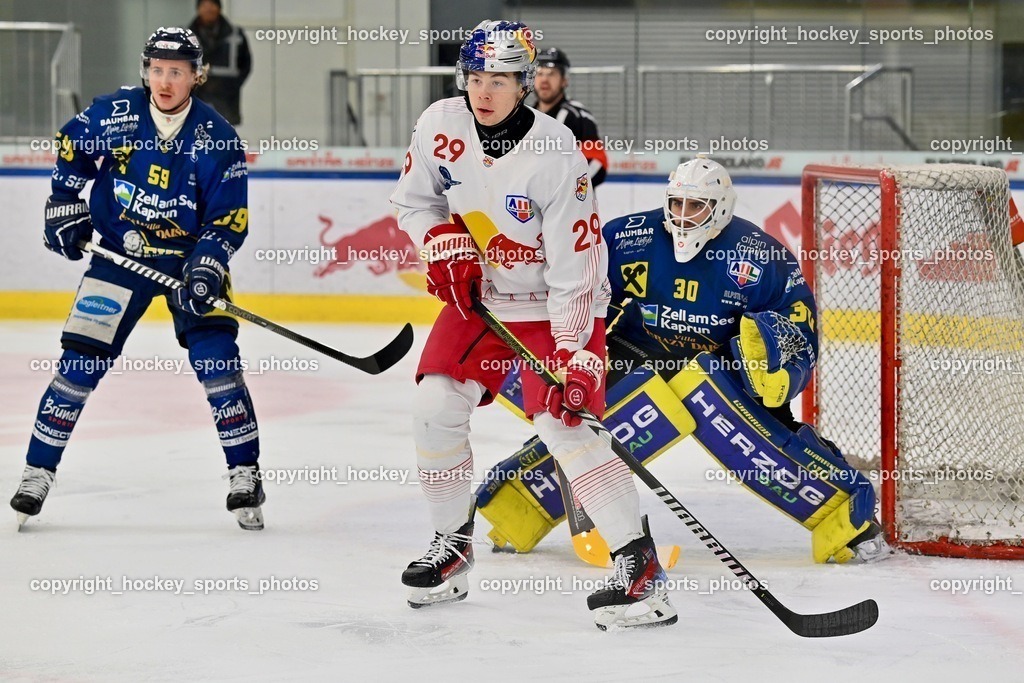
{"x":520,"y":207}
{"x":744,"y":272}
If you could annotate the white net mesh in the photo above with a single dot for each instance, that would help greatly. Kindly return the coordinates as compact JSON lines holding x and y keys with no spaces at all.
{"x":960,"y":433}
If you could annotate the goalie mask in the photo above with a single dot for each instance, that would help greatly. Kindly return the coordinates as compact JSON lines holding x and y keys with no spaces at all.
{"x":498,"y":46}
{"x":699,"y":202}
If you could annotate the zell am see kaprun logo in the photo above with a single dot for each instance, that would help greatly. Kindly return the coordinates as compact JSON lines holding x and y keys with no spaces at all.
{"x":123,"y":192}
{"x":98,"y":305}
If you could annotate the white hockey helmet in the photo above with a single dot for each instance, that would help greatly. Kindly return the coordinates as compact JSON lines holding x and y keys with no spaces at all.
{"x":498,"y":46}
{"x":706,"y":182}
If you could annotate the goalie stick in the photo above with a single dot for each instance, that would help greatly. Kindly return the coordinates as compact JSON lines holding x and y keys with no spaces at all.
{"x":373,"y":364}
{"x":842,"y":622}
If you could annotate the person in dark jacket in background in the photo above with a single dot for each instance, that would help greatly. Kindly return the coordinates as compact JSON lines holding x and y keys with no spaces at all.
{"x":228,"y":57}
{"x":550,"y":84}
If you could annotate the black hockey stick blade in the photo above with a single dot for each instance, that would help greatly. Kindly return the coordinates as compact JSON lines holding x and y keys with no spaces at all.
{"x":383,"y":359}
{"x":373,"y":364}
{"x":844,"y":622}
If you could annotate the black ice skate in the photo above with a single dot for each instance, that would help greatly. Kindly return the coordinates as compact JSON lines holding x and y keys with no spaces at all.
{"x":35,"y":484}
{"x":635,"y":596}
{"x":441,"y":575}
{"x":246,"y":496}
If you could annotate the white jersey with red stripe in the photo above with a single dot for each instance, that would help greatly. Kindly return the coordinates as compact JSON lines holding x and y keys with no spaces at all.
{"x":531,"y":213}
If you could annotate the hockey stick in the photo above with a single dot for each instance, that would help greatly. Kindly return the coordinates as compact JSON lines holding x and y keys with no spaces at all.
{"x":374,"y":364}
{"x":842,"y":622}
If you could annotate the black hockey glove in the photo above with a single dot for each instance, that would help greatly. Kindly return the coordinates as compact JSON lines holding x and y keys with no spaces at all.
{"x":203,"y":274}
{"x":67,"y":223}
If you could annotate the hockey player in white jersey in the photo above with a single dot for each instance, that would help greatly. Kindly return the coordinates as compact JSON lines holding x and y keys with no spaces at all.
{"x":500,"y":199}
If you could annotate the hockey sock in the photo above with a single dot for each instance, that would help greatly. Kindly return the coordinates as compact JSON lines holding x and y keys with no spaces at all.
{"x":61,"y":406}
{"x":235,"y":418}
{"x":443,"y":455}
{"x":598,"y":479}
{"x":213,"y":354}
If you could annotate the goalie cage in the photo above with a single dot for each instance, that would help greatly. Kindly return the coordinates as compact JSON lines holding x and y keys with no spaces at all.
{"x":920,"y":378}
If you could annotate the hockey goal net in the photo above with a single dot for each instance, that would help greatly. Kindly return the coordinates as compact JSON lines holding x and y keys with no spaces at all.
{"x":920,"y":376}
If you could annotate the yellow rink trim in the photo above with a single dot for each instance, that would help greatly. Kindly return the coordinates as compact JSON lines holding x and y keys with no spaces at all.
{"x":327,"y":308}
{"x":977,"y":333}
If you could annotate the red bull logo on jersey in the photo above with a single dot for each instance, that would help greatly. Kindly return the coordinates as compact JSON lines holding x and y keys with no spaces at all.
{"x":507,"y":253}
{"x":744,"y":272}
{"x":519,"y":207}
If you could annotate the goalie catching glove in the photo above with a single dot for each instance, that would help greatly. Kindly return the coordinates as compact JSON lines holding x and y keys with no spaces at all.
{"x":775,"y":356}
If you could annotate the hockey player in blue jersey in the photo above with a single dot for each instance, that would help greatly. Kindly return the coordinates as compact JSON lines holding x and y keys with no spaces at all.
{"x":169,"y":189}
{"x":711,"y":311}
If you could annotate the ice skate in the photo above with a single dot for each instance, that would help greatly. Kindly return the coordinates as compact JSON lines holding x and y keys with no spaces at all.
{"x":28,"y":500}
{"x":440,"y":576}
{"x":635,"y":596}
{"x":246,"y":496}
{"x":870,"y":546}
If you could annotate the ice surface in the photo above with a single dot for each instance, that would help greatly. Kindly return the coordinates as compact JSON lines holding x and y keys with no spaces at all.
{"x":140,"y":495}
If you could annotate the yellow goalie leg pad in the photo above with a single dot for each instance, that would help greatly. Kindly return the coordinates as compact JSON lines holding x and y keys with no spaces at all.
{"x":743,"y":420}
{"x":647,"y":417}
{"x":517,"y":518}
{"x":830,"y":537}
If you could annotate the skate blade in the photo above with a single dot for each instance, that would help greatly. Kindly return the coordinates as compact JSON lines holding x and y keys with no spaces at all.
{"x":653,"y":612}
{"x":453,"y":590}
{"x":250,"y":519}
{"x":22,"y":518}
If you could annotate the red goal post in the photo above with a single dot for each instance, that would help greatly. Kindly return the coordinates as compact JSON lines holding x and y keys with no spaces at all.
{"x":920,"y":376}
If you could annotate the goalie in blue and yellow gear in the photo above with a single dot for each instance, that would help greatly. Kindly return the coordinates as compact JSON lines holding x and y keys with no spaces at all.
{"x":708,"y":342}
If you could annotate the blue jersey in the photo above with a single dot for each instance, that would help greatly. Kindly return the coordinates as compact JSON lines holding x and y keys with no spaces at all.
{"x":686,"y":308}
{"x":154,"y":198}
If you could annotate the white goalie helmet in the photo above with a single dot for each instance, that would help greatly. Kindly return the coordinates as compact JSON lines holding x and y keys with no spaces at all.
{"x":699,"y":202}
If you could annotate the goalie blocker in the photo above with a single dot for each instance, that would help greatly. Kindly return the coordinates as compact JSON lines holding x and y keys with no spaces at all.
{"x":799,"y":474}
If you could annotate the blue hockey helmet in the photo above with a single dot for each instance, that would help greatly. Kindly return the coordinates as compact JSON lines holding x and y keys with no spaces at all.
{"x":498,"y":46}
